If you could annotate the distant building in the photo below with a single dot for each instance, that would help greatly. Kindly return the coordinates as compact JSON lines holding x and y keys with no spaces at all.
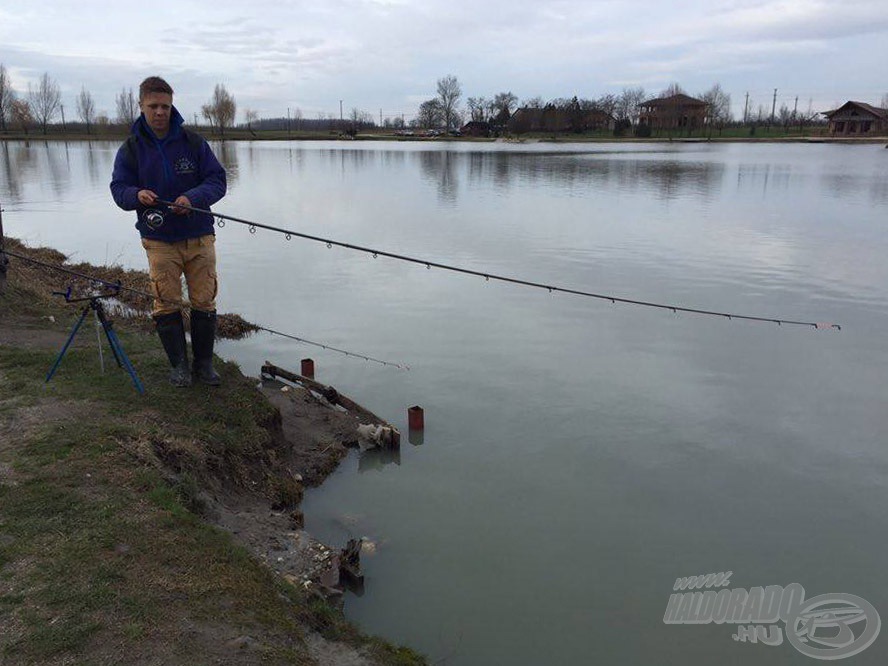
{"x":680,"y":111}
{"x":857,"y":119}
{"x":559,"y":119}
{"x":475,"y":128}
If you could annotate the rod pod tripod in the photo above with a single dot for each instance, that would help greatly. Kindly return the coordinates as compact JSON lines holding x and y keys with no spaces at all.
{"x":94,"y":303}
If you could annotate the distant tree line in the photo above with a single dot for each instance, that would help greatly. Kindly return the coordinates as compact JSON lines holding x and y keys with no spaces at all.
{"x":41,"y":105}
{"x":574,"y":113}
{"x":357,"y":121}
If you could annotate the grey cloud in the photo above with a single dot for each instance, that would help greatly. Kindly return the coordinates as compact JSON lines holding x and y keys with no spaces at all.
{"x":390,"y":52}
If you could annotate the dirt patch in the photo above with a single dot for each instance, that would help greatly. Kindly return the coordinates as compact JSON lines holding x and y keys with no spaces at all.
{"x":21,"y":422}
{"x":26,"y":419}
{"x":43,"y":332}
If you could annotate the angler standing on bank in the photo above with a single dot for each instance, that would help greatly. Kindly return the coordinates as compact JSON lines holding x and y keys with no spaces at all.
{"x":161,"y":160}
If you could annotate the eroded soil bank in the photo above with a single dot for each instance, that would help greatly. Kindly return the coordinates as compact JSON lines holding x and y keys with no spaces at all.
{"x":162,"y":528}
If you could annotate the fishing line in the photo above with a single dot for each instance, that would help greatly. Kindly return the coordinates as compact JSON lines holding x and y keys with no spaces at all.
{"x":29,"y":210}
{"x":120,"y":287}
{"x":289,"y":233}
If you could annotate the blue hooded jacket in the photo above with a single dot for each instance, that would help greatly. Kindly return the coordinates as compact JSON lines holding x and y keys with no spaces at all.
{"x":180,"y":163}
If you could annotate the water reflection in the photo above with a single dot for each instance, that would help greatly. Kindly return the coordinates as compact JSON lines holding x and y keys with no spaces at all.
{"x":11,"y":173}
{"x":764,"y":176}
{"x":854,"y":185}
{"x":439,"y":168}
{"x":59,"y":167}
{"x":226,"y":153}
{"x":495,"y":166}
{"x":373,"y":460}
{"x":669,"y":178}
{"x":349,"y":161}
{"x":92,"y":163}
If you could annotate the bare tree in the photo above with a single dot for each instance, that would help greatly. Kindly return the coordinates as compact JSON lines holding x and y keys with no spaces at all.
{"x":86,"y":108}
{"x":20,"y":111}
{"x":504,"y":103}
{"x":209,"y":115}
{"x":607,"y":103}
{"x":360,"y":119}
{"x":627,"y":104}
{"x":884,"y":103}
{"x":222,"y":108}
{"x":673,"y":88}
{"x":251,"y":116}
{"x":534,"y":103}
{"x":44,"y":99}
{"x":431,"y":114}
{"x":477,"y":108}
{"x":7,"y":97}
{"x":786,"y":116}
{"x":762,"y":115}
{"x":449,"y":92}
{"x":127,"y":109}
{"x":718,"y":111}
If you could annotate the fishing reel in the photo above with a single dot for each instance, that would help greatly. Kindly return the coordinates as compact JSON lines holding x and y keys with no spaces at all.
{"x":154,"y":218}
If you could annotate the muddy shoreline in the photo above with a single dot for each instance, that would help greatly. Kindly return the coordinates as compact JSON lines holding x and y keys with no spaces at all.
{"x":317,"y":436}
{"x":294,"y":438}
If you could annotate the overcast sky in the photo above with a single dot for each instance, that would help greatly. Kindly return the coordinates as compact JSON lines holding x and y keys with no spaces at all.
{"x":387,"y":54}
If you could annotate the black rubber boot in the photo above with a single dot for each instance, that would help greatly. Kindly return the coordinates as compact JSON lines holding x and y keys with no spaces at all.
{"x":203,"y":335}
{"x":171,"y":332}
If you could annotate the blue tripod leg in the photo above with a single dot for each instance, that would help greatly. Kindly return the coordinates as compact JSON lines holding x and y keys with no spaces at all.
{"x":58,"y":360}
{"x":122,"y":358}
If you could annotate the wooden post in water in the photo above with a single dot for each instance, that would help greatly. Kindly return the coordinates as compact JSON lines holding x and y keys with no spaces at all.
{"x":415,"y":418}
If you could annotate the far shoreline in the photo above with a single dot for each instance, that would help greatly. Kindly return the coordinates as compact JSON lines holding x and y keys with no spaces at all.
{"x":241,"y":135}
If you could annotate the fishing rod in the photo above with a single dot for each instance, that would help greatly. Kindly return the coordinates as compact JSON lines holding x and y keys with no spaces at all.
{"x":289,"y":233}
{"x":117,"y":285}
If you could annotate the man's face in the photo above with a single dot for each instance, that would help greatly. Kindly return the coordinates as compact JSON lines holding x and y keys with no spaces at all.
{"x":156,"y":107}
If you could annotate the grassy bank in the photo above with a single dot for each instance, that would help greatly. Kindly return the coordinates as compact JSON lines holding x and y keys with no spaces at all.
{"x":105,"y":556}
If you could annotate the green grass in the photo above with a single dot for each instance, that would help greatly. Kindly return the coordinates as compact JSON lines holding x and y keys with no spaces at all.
{"x":103,"y":553}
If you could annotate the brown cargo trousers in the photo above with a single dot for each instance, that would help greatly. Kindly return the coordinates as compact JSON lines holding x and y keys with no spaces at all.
{"x":167,"y":262}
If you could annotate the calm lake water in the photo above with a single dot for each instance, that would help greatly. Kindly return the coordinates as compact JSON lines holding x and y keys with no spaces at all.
{"x":578,"y":456}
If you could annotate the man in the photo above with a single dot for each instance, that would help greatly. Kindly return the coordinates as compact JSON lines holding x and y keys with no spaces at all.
{"x":163,"y":161}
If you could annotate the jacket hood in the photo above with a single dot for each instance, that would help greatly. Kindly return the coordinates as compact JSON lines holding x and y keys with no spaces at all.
{"x":176,"y":122}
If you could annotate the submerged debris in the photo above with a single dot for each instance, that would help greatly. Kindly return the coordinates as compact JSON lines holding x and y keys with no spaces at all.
{"x":370,"y":435}
{"x":350,"y":566}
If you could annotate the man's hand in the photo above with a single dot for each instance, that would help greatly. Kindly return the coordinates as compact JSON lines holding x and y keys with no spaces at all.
{"x":147,"y":197}
{"x":178,"y":203}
